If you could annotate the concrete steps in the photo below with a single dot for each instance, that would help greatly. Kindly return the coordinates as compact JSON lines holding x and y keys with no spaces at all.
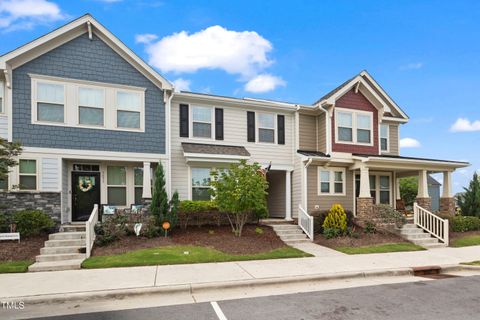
{"x":64,"y":250}
{"x":416,"y":235}
{"x":290,"y":233}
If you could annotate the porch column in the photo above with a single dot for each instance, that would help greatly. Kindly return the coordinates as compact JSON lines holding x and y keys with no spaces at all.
{"x":364,"y":200}
{"x":288,"y":196}
{"x":447,"y":202}
{"x":364,"y":183}
{"x":147,"y":184}
{"x":423,"y":199}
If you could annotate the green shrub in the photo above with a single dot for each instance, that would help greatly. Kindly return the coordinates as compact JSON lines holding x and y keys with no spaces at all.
{"x":336,"y":219}
{"x":32,"y":222}
{"x":6,"y":219}
{"x":258,"y":230}
{"x":320,"y":215}
{"x":190,"y":206}
{"x":464,"y":223}
{"x":388,"y":214}
{"x":330,"y":233}
{"x":370,"y":227}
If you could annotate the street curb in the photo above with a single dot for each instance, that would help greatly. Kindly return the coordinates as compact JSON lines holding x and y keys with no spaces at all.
{"x":205,"y":287}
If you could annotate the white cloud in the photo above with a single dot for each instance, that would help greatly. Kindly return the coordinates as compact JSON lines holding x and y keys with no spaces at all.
{"x":181,"y":84}
{"x":243,"y":53}
{"x":264,"y":83}
{"x":465,"y":125}
{"x":412,"y":66}
{"x":25,"y":14}
{"x":409,"y":143}
{"x":145,"y":38}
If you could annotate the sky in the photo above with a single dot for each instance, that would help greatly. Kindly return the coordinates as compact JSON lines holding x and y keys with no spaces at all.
{"x":425,"y":54}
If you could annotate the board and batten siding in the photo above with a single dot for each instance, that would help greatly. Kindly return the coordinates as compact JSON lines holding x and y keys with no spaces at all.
{"x":235,"y":133}
{"x":307,"y":132}
{"x":325,"y":202}
{"x":4,"y":127}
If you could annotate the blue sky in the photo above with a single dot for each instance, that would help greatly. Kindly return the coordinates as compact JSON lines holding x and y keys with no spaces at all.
{"x":425,"y":54}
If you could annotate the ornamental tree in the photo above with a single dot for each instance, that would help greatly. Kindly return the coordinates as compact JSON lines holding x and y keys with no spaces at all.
{"x":159,"y":205}
{"x":239,"y":193}
{"x":8,"y":152}
{"x":409,"y":190}
{"x":469,"y":201}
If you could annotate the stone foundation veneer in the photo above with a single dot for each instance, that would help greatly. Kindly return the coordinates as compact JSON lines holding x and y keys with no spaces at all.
{"x":48,"y":202}
{"x":425,"y":203}
{"x":365,"y":208}
{"x":447,"y":206}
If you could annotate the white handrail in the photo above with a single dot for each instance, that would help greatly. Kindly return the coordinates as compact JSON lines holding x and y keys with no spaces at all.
{"x":305,"y":221}
{"x":431,"y":223}
{"x":90,"y":230}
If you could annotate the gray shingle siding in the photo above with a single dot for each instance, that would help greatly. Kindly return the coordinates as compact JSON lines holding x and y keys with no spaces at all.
{"x":89,"y":60}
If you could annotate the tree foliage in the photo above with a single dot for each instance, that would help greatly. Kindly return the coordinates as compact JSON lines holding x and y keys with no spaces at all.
{"x":162,"y":209}
{"x":409,"y":190}
{"x":336,"y":219}
{"x":469,"y":201}
{"x":8,"y":152}
{"x":240,"y":192}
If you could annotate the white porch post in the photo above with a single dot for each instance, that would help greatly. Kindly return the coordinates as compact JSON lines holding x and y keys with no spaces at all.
{"x":364,"y":183}
{"x":288,"y":196}
{"x":147,"y":184}
{"x":447,"y":184}
{"x":422,"y":184}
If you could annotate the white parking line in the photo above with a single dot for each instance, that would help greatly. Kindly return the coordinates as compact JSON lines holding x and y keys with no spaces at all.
{"x":218,"y":311}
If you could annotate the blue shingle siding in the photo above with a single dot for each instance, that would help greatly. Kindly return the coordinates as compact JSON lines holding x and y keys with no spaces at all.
{"x":92,"y":60}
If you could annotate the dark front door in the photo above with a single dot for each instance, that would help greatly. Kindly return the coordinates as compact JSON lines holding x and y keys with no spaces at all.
{"x":85,"y":193}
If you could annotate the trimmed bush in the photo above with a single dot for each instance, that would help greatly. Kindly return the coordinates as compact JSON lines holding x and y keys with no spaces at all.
{"x":335,"y":223}
{"x":190,"y":206}
{"x":319,"y":218}
{"x":464,"y":223}
{"x":390,"y":215}
{"x":6,"y":219}
{"x":32,"y":222}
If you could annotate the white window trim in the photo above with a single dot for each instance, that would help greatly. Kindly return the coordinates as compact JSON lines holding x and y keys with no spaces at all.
{"x":387,"y":137}
{"x":275,"y":128}
{"x":212,"y":122}
{"x":71,"y":105}
{"x":35,"y":102}
{"x":354,"y":126}
{"x":37,"y":175}
{"x":332,"y":171}
{"x":77,"y":94}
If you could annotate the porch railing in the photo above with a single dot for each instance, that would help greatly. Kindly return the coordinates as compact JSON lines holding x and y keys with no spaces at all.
{"x":90,"y":230}
{"x":431,"y":223}
{"x":305,"y":221}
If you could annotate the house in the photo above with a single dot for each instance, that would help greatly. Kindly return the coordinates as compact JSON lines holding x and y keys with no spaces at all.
{"x":94,"y":119}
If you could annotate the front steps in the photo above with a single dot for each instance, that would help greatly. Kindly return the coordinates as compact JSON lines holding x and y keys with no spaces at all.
{"x":64,"y":250}
{"x":287,"y":231}
{"x":416,"y":235}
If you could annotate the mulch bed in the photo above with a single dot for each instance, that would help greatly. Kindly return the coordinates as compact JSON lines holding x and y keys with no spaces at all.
{"x":456,"y":235}
{"x":220,"y":238}
{"x":364,"y":239}
{"x":27,"y":249}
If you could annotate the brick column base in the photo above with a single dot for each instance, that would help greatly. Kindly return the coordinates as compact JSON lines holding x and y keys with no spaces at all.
{"x":447,"y":206}
{"x":425,"y":203}
{"x":365,"y":208}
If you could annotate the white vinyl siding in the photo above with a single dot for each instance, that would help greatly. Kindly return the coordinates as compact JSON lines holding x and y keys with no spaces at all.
{"x":3,"y":127}
{"x":50,"y":174}
{"x":2,"y":98}
{"x":353,"y":127}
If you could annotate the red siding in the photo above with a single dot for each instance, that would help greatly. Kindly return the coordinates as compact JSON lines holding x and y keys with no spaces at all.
{"x":357,"y":101}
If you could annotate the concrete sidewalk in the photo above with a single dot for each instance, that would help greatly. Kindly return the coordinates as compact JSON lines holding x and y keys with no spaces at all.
{"x":184,"y":277}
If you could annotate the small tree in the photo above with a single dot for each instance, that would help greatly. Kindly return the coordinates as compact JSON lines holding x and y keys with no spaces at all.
{"x":8,"y":152}
{"x":159,"y":205}
{"x":240,"y":192}
{"x":336,"y":220}
{"x":469,"y":201}
{"x":408,"y":190}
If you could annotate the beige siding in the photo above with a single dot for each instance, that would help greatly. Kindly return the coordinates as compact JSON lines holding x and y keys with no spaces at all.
{"x":276,"y":194}
{"x":325,"y":202}
{"x":235,"y":133}
{"x":322,"y":134}
{"x":296,"y":186}
{"x":394,"y":140}
{"x":308,"y":132}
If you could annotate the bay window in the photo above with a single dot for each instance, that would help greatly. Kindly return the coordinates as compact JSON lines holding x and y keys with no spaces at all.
{"x":50,"y":102}
{"x":201,"y":184}
{"x":353,"y":126}
{"x":129,"y":106}
{"x":266,"y":128}
{"x":27,"y":174}
{"x":117,"y":185}
{"x":91,"y":106}
{"x":331,"y":181}
{"x":384,"y":137}
{"x":201,"y":122}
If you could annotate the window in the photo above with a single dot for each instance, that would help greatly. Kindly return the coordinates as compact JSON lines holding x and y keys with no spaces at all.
{"x":354,"y":126}
{"x":384,"y":137}
{"x":50,"y":102}
{"x":201,"y":184}
{"x":2,"y":108}
{"x":28,"y":174}
{"x":116,"y":185}
{"x":129,"y":107}
{"x":266,"y":128}
{"x":373,"y":188}
{"x":380,"y":188}
{"x":4,"y":183}
{"x":138,"y":182}
{"x":384,"y":190}
{"x":331,"y":181}
{"x":201,"y":122}
{"x":91,"y":106}
{"x":86,"y":167}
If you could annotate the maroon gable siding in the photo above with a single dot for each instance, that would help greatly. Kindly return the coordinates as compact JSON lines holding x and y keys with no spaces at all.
{"x":357,"y":101}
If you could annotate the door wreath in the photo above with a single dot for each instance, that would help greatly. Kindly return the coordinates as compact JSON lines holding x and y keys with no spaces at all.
{"x":86,"y":184}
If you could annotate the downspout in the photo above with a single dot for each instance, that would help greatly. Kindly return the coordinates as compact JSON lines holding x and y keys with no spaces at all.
{"x":305,"y":183}
{"x":169,"y":141}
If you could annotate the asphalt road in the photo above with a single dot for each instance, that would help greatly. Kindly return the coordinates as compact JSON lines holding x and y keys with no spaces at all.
{"x":453,"y":298}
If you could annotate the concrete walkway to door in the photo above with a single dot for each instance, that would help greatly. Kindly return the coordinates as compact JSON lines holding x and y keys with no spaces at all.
{"x":317,"y":250}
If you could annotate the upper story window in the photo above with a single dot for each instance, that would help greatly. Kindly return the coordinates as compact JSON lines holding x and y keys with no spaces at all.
{"x":50,"y":102}
{"x":331,"y":181}
{"x":27,"y":174}
{"x":384,"y":137}
{"x":128,"y":109}
{"x":266,"y":127}
{"x":354,"y":127}
{"x":201,"y":122}
{"x":91,"y":103}
{"x":2,"y":108}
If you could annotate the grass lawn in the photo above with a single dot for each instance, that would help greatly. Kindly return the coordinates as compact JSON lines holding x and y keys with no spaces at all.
{"x":381,"y":248}
{"x":465,"y":241}
{"x":14,"y":266}
{"x":473,"y":263}
{"x":183,"y":255}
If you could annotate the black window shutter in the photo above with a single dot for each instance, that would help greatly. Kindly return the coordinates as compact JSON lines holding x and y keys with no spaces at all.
{"x":250,"y":126}
{"x":184,"y":120}
{"x":281,"y":129}
{"x":218,"y":124}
